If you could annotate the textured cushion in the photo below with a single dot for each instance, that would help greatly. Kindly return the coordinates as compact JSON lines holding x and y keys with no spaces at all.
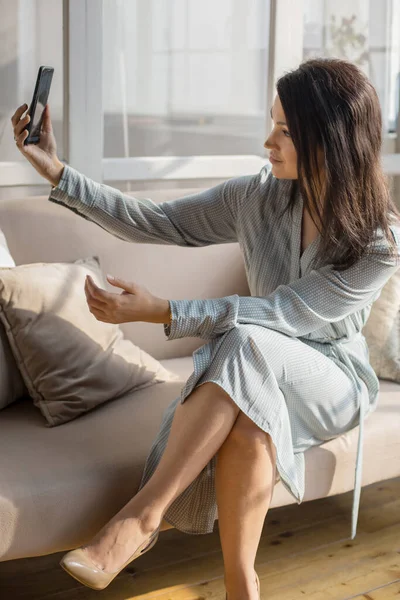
{"x":12,"y":385}
{"x":70,"y":361}
{"x":382,"y":331}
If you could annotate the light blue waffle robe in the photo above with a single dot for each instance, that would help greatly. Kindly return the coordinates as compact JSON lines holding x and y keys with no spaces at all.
{"x":291,"y":356}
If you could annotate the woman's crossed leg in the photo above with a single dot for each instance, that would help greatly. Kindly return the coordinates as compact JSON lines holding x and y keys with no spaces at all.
{"x":207,"y":423}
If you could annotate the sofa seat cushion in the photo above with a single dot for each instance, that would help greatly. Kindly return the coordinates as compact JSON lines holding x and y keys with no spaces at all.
{"x":60,"y":485}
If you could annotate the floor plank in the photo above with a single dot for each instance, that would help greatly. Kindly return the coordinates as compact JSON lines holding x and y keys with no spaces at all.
{"x":389,"y":592}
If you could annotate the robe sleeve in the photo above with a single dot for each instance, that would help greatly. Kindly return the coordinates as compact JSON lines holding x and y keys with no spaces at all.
{"x":322,"y":296}
{"x":199,"y":219}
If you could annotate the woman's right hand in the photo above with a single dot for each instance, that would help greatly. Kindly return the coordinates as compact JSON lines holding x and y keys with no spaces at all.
{"x":42,"y":156}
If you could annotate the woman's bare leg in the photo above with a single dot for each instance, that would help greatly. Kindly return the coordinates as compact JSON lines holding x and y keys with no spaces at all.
{"x":199,"y":428}
{"x":245,"y":478}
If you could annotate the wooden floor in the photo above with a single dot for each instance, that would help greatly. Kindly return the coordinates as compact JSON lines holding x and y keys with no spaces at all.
{"x":305,"y":552}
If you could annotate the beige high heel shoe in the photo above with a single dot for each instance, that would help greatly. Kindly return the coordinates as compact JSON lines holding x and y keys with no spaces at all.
{"x":258,"y":587}
{"x":80,"y":567}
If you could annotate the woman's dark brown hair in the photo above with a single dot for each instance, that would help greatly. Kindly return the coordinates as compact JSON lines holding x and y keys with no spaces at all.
{"x":331,"y":106}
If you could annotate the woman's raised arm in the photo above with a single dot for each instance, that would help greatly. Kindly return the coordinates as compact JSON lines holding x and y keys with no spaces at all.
{"x":199,"y":219}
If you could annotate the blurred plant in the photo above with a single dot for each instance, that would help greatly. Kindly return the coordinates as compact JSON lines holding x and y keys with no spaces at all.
{"x":347,"y":42}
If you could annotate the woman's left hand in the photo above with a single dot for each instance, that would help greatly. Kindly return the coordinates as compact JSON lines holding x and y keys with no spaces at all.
{"x":135,"y":303}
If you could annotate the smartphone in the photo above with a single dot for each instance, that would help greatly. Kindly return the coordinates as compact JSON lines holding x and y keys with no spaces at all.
{"x":38,"y":104}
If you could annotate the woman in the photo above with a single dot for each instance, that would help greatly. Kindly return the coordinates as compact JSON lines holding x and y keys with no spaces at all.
{"x":284,"y":369}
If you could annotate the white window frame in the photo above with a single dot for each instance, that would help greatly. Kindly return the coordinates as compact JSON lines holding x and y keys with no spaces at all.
{"x":83,"y":89}
{"x":179,"y":167}
{"x":83,"y":106}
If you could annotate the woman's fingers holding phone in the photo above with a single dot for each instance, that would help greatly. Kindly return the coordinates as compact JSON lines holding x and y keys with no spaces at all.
{"x":19,"y":122}
{"x":47,"y":141}
{"x":18,"y":114}
{"x":20,"y":138}
{"x":20,"y":127}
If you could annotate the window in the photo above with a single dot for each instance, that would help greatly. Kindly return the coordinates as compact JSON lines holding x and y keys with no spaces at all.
{"x":178,"y":91}
{"x":184,"y":78}
{"x":365,"y":32}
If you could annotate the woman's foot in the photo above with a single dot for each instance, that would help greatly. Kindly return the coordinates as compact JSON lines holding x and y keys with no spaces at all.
{"x":112,"y":546}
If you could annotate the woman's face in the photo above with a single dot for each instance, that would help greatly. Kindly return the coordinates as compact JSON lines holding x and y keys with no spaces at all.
{"x":283,"y":155}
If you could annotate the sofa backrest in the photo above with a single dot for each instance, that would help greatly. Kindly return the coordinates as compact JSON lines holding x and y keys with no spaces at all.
{"x":38,"y":230}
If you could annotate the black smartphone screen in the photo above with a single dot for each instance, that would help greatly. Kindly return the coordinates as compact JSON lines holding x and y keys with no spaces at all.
{"x":39,"y":101}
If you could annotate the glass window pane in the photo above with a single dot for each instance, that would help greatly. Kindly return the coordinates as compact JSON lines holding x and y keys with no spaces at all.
{"x":31,"y":35}
{"x":365,"y":32}
{"x":183,"y":77}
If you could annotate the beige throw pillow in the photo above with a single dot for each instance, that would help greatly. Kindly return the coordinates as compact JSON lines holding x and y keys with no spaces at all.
{"x":382,"y":331}
{"x":70,"y":361}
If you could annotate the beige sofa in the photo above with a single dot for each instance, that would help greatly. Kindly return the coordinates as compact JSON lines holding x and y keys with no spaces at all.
{"x":59,"y":485}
